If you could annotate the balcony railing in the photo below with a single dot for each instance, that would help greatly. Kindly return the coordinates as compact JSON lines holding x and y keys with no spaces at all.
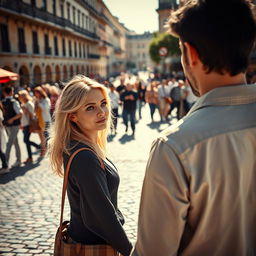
{"x":23,"y":8}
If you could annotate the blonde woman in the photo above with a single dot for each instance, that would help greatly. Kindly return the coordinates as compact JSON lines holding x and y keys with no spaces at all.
{"x":28,"y":108}
{"x":42,"y":109}
{"x":82,"y":119}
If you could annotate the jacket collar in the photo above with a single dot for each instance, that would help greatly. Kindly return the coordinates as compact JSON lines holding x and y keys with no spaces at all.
{"x":227,"y":96}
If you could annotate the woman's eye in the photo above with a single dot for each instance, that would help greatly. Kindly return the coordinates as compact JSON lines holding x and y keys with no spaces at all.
{"x":90,"y":108}
{"x":103,"y":104}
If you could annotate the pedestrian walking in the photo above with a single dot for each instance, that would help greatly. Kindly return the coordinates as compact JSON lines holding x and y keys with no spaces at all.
{"x":28,"y":109}
{"x":115,"y":100}
{"x":3,"y":141}
{"x":164,"y":99}
{"x":141,"y":90}
{"x":151,"y":98}
{"x":12,"y":114}
{"x":42,"y":110}
{"x":82,"y":120}
{"x":199,"y":194}
{"x":129,"y":98}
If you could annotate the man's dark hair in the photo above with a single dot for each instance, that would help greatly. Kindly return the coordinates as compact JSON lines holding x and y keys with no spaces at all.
{"x":222,"y":31}
{"x":8,"y":90}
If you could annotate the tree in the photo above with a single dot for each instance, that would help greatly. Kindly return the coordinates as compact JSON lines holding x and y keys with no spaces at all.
{"x":163,"y":40}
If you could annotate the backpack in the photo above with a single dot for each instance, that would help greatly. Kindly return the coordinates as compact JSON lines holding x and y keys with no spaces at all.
{"x":175,"y":93}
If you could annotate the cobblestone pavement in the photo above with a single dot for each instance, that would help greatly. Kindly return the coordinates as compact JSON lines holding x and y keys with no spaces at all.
{"x":30,"y":195}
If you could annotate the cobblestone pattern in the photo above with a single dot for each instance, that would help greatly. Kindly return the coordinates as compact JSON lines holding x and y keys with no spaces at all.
{"x":30,"y":195}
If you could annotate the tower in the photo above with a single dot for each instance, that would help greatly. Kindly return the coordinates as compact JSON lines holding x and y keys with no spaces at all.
{"x":164,"y":9}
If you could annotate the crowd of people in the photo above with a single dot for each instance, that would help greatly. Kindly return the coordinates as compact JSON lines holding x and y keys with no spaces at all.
{"x":198,"y":195}
{"x":172,"y":97}
{"x":31,"y":110}
{"x":28,"y":110}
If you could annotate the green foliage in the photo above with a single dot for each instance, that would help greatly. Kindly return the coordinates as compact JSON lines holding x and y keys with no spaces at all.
{"x":163,"y":40}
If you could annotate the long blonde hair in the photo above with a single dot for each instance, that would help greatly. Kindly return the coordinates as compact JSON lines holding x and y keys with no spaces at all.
{"x":71,"y":99}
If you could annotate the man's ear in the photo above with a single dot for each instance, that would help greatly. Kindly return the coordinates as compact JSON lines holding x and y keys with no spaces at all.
{"x":192,"y":54}
{"x":72,"y":117}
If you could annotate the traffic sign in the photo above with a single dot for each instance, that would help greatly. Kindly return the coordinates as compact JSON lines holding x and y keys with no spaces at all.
{"x":163,"y":51}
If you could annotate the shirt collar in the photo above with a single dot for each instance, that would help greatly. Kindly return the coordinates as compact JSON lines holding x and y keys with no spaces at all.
{"x":227,"y":96}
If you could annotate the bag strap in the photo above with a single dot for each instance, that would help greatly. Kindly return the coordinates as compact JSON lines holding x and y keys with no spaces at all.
{"x":65,"y":181}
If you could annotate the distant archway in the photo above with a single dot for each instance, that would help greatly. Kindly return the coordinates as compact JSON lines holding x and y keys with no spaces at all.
{"x":71,"y":71}
{"x":37,"y":75}
{"x":48,"y":73}
{"x":24,"y":76}
{"x":65,"y":73}
{"x":57,"y":73}
{"x":82,"y":70}
{"x":77,"y":70}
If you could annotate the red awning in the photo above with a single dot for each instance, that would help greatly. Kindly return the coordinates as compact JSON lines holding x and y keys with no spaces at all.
{"x":6,"y":76}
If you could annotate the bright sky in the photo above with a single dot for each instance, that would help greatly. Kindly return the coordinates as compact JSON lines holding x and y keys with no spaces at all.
{"x":137,"y":15}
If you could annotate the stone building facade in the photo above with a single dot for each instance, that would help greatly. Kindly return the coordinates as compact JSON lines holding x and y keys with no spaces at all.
{"x":47,"y":41}
{"x":137,"y":51}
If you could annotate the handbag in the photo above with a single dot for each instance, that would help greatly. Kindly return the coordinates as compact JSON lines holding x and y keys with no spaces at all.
{"x":34,"y":125}
{"x":168,"y":100}
{"x":64,"y":245}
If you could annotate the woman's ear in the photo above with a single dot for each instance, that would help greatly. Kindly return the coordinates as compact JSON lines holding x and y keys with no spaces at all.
{"x":72,"y":117}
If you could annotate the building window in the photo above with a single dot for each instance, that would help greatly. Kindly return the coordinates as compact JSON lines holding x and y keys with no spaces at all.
{"x":35,"y":42}
{"x":75,"y":49}
{"x":56,"y":50}
{"x":82,"y":20}
{"x":74,"y":15}
{"x":33,"y":3}
{"x":70,"y":48}
{"x":63,"y":47}
{"x":62,"y":10}
{"x":84,"y":51}
{"x":80,"y":50}
{"x":68,"y":11}
{"x":47,"y":49}
{"x":78,"y":17}
{"x":5,"y":38}
{"x":54,"y":7}
{"x":44,"y":5}
{"x":87,"y":25}
{"x":21,"y":36}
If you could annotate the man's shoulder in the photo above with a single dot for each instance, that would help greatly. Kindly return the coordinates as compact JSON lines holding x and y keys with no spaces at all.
{"x":187,"y":132}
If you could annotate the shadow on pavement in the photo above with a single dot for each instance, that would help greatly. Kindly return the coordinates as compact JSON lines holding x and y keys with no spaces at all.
{"x":154,"y":125}
{"x":18,"y":171}
{"x":111,"y":137}
{"x":126,"y":138}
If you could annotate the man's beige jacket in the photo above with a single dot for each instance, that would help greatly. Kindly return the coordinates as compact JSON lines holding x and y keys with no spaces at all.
{"x":199,"y":192}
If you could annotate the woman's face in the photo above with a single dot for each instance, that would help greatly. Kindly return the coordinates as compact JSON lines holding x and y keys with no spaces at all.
{"x":37,"y":94}
{"x":94,"y":114}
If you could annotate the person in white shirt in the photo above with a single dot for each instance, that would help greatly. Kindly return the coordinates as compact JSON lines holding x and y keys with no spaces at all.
{"x":42,"y":109}
{"x":164,"y":99}
{"x":28,"y":108}
{"x":12,"y":114}
{"x":115,"y":100}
